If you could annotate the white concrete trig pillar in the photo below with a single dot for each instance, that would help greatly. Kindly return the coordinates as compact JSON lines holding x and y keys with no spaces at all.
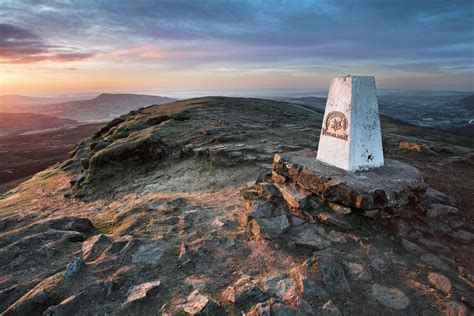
{"x":351,"y":138}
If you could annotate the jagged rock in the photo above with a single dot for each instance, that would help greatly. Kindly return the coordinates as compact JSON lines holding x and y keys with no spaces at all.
{"x":438,"y":209}
{"x":462,"y":236}
{"x":259,"y":210}
{"x":358,"y":271}
{"x":329,"y":309}
{"x":244,"y":292}
{"x":73,"y":268}
{"x":435,"y":261}
{"x":92,"y":247}
{"x":390,"y":297}
{"x":293,"y":197}
{"x":308,"y":236}
{"x":278,"y":178}
{"x":269,"y":192}
{"x":65,"y":308}
{"x":453,"y":308}
{"x":198,"y":304}
{"x":333,"y":220}
{"x":269,"y":228}
{"x":141,"y":291}
{"x":283,"y":287}
{"x":334,"y":277}
{"x":439,"y":282}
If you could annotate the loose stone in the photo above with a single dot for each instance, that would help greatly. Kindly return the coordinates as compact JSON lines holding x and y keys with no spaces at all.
{"x":390,"y":297}
{"x":439,"y":282}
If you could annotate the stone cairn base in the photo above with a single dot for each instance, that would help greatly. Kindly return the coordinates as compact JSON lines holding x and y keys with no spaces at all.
{"x":301,"y":189}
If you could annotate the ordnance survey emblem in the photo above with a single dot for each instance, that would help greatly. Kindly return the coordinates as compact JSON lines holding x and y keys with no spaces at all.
{"x":336,"y":125}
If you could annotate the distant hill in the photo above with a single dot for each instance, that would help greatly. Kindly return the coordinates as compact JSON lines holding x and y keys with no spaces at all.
{"x":101,"y":108}
{"x":20,"y":123}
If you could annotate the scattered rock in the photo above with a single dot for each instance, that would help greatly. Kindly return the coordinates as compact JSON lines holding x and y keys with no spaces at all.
{"x":198,"y":304}
{"x":73,"y":268}
{"x":149,"y":253}
{"x":435,"y":261}
{"x":329,"y":309}
{"x":283,"y":287}
{"x":260,"y":309}
{"x":358,"y":271}
{"x":259,"y":210}
{"x":333,"y":276}
{"x":390,"y":297}
{"x":244,"y":292}
{"x":269,"y":228}
{"x":439,"y":282}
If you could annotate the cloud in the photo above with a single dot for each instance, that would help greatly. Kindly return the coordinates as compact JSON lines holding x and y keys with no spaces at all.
{"x":21,"y":46}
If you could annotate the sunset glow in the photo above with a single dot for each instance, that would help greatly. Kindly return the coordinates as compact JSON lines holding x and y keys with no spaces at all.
{"x":87,"y":46}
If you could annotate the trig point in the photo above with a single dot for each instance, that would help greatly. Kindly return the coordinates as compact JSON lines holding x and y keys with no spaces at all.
{"x":350,"y":135}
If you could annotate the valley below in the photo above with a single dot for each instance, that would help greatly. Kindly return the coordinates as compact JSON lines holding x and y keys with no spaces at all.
{"x":146,"y":216}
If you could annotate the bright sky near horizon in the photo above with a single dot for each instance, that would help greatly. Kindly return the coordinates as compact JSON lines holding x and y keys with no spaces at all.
{"x":110,"y":45}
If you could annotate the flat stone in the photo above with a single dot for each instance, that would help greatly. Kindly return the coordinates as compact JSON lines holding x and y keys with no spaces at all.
{"x":258,"y":210}
{"x":333,"y":220}
{"x":269,"y":228}
{"x":149,"y":253}
{"x":330,"y":309}
{"x":391,"y":185}
{"x":390,"y":297}
{"x":435,"y":261}
{"x":293,"y":197}
{"x":308,"y":236}
{"x":334,"y":278}
{"x":439,"y":282}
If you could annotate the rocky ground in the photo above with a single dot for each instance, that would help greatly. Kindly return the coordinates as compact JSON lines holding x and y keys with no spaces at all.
{"x":147,"y":218}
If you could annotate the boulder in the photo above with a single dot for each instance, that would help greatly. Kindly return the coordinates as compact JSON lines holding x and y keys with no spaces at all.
{"x":73,"y":268}
{"x":93,"y":247}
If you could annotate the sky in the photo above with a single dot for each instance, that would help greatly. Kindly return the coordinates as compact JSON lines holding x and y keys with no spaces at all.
{"x":57,"y":47}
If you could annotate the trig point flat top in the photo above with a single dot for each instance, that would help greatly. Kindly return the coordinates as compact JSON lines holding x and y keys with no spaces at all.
{"x":351,"y":138}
